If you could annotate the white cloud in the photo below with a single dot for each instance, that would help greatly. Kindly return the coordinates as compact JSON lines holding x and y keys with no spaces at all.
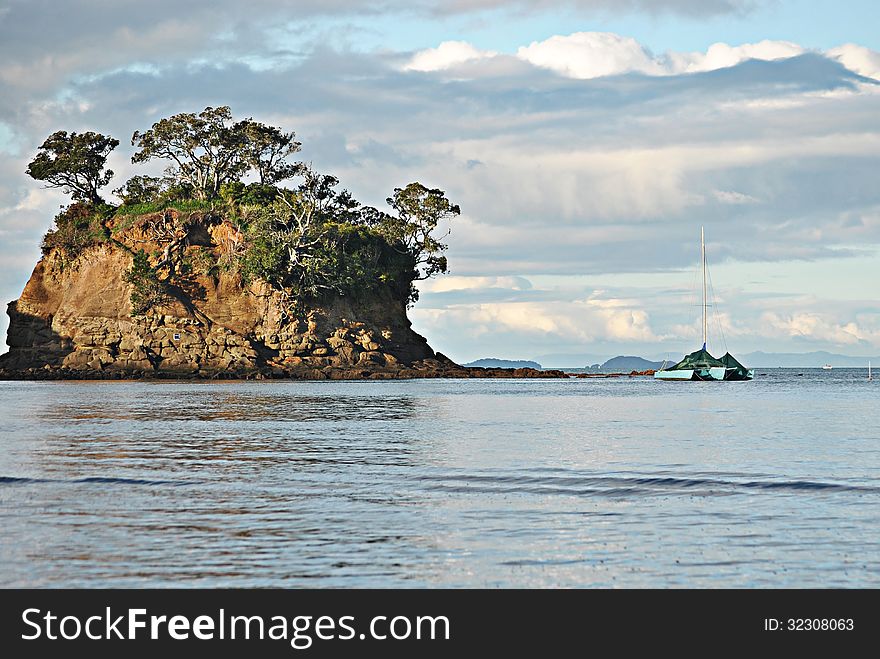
{"x":861,"y":60}
{"x":722,"y":55}
{"x":447,"y":55}
{"x":591,"y":55}
{"x":579,"y":321}
{"x":587,"y":55}
{"x":733,"y":197}
{"x":453,"y":283}
{"x":819,"y":327}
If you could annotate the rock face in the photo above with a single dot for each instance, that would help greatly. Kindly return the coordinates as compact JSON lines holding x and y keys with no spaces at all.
{"x":73,"y":320}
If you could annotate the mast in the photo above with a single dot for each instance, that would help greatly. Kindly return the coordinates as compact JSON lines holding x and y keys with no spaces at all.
{"x":703,"y":258}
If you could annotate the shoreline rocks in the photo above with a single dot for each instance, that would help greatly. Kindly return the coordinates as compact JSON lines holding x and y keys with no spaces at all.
{"x":416,"y":371}
{"x":631,"y":374}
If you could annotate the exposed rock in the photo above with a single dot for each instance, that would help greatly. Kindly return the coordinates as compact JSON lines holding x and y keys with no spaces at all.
{"x":73,"y":320}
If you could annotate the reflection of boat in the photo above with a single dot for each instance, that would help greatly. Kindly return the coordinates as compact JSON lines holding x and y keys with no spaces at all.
{"x":701,"y":365}
{"x":827,"y":367}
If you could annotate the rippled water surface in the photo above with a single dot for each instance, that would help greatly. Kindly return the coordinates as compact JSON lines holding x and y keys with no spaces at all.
{"x":535,"y":483}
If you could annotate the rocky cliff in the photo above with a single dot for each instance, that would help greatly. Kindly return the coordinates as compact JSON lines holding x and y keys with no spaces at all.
{"x":74,"y":320}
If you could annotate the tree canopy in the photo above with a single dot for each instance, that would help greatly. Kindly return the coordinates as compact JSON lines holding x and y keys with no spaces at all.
{"x":266,"y":150}
{"x":209,"y":149}
{"x":74,"y":162}
{"x":419,"y":212}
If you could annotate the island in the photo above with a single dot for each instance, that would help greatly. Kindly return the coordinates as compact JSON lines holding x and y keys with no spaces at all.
{"x":492,"y":362}
{"x":218,"y":269}
{"x":627,"y":364}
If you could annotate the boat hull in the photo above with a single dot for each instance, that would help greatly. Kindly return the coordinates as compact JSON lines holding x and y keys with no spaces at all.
{"x":713,"y":373}
{"x":733,"y":375}
{"x":681,"y":374}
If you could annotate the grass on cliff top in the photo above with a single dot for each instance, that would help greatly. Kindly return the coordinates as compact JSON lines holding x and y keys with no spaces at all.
{"x":130,"y":213}
{"x":159,"y":206}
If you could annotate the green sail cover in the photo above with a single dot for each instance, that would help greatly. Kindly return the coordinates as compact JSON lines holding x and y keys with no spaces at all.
{"x":697,"y":360}
{"x":730,"y":362}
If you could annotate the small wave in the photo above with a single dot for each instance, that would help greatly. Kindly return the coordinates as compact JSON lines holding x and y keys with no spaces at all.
{"x":623,"y":486}
{"x":105,"y":480}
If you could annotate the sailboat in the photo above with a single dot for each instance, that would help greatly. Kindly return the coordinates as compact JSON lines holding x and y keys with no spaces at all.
{"x":870,"y":378}
{"x":701,"y":365}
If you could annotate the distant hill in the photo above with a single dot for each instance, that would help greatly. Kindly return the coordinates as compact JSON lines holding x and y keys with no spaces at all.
{"x":491,"y":362}
{"x":570,"y":360}
{"x":625,"y":364}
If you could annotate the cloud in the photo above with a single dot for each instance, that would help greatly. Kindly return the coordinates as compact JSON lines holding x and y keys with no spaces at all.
{"x":586,"y":55}
{"x":722,"y":55}
{"x":819,"y":327}
{"x":573,"y":322}
{"x":863,"y":61}
{"x":453,"y":283}
{"x":44,"y":42}
{"x":695,"y":8}
{"x":446,"y":55}
{"x":733,"y":197}
{"x":591,"y":55}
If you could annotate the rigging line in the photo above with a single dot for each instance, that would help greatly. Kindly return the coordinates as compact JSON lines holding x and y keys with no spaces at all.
{"x":695,"y":299}
{"x":715,"y":314}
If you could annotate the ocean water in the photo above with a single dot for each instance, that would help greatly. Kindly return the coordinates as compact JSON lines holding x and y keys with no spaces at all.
{"x":443,"y":483}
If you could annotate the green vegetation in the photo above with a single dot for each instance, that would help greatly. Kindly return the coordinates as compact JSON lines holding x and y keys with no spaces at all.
{"x":209,"y":149}
{"x":74,"y":162}
{"x":147,"y":207}
{"x":311,"y":240}
{"x":77,"y":227}
{"x":148,"y":290}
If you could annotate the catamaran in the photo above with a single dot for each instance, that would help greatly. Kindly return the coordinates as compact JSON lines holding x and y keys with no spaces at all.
{"x":701,"y":365}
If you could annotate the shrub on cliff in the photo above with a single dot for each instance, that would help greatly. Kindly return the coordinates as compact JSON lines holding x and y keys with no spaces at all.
{"x":76,"y":228}
{"x":148,"y":290}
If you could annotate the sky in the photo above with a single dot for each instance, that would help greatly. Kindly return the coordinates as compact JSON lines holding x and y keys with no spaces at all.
{"x":586,"y":141}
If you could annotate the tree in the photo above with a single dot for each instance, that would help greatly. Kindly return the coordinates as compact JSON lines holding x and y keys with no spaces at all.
{"x":207,"y":148}
{"x":266,"y":150}
{"x":287,"y":236}
{"x":142,"y":189}
{"x":74,"y":162}
{"x":314,"y":241}
{"x":419,"y":211}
